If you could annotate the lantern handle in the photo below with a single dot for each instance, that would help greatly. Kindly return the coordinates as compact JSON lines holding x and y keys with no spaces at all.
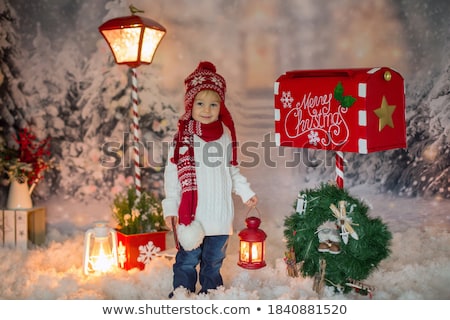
{"x":251,"y":208}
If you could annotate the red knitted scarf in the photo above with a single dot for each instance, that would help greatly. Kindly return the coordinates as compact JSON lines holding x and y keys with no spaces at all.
{"x":184,"y":159}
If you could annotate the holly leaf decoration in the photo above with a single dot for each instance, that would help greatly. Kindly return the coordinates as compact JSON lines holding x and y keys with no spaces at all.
{"x":346,"y":101}
{"x":339,"y":92}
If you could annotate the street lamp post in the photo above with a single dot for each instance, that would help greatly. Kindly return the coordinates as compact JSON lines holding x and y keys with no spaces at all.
{"x":133,"y":41}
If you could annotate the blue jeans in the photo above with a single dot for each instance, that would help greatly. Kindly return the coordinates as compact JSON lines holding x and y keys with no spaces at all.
{"x":210,"y":255}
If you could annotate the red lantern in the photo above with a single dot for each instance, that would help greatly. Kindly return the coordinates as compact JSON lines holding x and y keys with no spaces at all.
{"x":133,"y":39}
{"x":252,"y":245}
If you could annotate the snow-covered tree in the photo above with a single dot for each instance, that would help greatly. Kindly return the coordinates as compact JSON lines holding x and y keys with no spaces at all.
{"x":11,"y":98}
{"x":425,"y":168}
{"x":12,"y":101}
{"x":82,"y":99}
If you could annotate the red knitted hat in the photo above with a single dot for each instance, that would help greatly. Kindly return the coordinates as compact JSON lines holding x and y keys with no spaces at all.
{"x":205,"y":77}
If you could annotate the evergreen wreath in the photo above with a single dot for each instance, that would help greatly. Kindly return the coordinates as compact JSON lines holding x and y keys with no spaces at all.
{"x":357,"y":258}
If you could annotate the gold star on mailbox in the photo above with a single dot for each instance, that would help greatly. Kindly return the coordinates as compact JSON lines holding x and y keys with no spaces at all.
{"x":384,"y":113}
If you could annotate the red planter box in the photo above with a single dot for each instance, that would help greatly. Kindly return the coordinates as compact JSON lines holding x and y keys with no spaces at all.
{"x":137,"y":250}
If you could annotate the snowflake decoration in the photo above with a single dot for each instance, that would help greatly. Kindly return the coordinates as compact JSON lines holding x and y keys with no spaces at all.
{"x":313,"y":137}
{"x":186,"y":140}
{"x":147,"y":252}
{"x":286,"y":99}
{"x":121,"y":254}
{"x":185,"y":183}
{"x":197,"y":80}
{"x":216,"y":81}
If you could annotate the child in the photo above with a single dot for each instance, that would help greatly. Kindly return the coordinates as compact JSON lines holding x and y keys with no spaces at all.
{"x":199,"y":179}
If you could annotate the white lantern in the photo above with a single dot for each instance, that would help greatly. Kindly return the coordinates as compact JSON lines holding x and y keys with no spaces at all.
{"x":100,"y":249}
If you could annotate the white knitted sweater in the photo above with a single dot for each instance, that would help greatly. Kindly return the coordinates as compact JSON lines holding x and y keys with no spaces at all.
{"x":216,"y":181}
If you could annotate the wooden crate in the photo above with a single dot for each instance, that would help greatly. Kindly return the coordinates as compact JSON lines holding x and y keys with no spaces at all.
{"x":18,"y":228}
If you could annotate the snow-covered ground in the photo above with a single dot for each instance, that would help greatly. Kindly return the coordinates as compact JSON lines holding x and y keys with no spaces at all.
{"x":418,"y":267}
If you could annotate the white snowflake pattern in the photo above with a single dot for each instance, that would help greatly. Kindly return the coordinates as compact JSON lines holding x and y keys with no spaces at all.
{"x":147,"y":252}
{"x":313,"y":137}
{"x":121,"y":254}
{"x":185,"y":183}
{"x":286,"y":99}
{"x":216,"y":81}
{"x":197,"y":80}
{"x":185,"y":140}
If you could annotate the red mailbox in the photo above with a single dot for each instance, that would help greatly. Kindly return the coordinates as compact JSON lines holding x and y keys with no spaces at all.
{"x":350,"y":110}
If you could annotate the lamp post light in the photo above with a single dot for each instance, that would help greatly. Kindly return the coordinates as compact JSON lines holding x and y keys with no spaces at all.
{"x":133,"y":41}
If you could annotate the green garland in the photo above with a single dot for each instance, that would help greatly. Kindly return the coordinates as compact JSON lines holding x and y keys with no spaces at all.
{"x":357,"y":258}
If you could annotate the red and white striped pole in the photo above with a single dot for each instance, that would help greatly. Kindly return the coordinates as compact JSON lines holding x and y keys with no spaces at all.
{"x":136,"y":133}
{"x":340,"y":169}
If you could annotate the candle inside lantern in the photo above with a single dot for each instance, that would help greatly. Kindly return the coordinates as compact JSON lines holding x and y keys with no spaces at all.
{"x":251,"y":251}
{"x":101,"y":259}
